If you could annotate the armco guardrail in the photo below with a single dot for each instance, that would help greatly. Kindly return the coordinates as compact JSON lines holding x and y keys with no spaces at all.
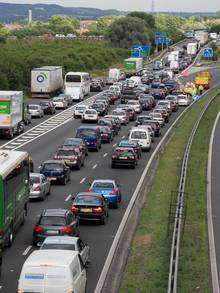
{"x":175,"y":248}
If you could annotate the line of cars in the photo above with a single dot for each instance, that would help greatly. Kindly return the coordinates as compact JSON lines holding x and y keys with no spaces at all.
{"x":57,"y":230}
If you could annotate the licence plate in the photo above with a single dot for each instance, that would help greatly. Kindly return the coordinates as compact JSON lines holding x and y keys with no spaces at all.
{"x":90,"y":116}
{"x":52,"y":232}
{"x":52,"y":178}
{"x":86,"y":210}
{"x":67,"y":161}
{"x":123,"y":158}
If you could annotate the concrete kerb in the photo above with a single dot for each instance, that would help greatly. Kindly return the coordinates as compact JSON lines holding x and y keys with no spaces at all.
{"x":212,"y":254}
{"x":102,"y":285}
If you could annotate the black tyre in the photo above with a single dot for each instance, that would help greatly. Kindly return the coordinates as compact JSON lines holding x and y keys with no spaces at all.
{"x":103,"y":220}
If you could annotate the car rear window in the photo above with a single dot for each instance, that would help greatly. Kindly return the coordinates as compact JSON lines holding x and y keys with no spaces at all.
{"x":34,"y":179}
{"x":66,"y":153}
{"x":86,"y":132}
{"x":87,"y":199}
{"x":103,"y":185}
{"x":53,"y":166}
{"x":52,"y":221}
{"x":33,"y":107}
{"x":138,"y":135}
{"x":62,"y":246}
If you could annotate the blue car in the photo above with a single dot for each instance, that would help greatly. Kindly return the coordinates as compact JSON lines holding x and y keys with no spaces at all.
{"x":56,"y":171}
{"x":109,"y":189}
{"x":91,"y":136}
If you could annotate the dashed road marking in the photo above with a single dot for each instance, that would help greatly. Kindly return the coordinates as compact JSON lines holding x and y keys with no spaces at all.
{"x":68,"y":197}
{"x":105,"y":155}
{"x":94,"y":166}
{"x":83,"y":180}
{"x":114,"y":145}
{"x":27,"y":250}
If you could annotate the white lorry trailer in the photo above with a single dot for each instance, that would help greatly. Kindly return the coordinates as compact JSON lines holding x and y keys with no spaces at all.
{"x":11,"y":113}
{"x":192,"y":48}
{"x":46,"y":81}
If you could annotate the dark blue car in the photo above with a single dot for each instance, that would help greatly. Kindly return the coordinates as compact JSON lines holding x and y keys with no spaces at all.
{"x":56,"y":171}
{"x":91,"y":135}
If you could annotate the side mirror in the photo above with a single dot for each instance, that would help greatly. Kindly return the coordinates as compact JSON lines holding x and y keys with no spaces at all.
{"x":40,"y":167}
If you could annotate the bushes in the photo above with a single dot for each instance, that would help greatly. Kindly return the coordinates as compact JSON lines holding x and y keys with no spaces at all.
{"x":17,"y":58}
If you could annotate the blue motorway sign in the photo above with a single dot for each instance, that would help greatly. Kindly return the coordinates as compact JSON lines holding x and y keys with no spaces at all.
{"x":208,"y":53}
{"x":140,"y":51}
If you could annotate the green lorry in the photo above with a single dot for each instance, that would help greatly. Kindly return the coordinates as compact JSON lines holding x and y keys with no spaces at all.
{"x":133,"y":65}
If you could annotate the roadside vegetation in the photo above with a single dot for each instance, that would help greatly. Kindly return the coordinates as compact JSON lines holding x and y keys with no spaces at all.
{"x":148,"y":263}
{"x":18,"y":58}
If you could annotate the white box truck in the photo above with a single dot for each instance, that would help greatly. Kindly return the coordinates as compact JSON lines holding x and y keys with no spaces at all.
{"x":11,"y":113}
{"x":173,"y":56}
{"x":46,"y":81}
{"x":192,"y":48}
{"x":202,"y":37}
{"x":114,"y":73}
{"x":174,"y":66}
{"x":132,"y":65}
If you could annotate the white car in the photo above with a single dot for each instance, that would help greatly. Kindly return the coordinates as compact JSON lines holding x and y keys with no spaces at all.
{"x":157,"y":117}
{"x":149,"y":129}
{"x":36,"y":111}
{"x":79,"y":110}
{"x":183,"y":100}
{"x":60,"y":103}
{"x":116,"y":90}
{"x":67,"y":243}
{"x":90,"y":115}
{"x":135,"y":105}
{"x":124,"y":119}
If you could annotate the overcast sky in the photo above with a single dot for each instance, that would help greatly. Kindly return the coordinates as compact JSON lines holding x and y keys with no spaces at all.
{"x":165,"y":5}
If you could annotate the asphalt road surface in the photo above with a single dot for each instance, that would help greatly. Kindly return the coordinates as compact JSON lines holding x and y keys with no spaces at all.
{"x":97,"y":166}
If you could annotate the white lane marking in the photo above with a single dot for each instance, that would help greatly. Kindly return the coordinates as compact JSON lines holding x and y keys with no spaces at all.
{"x":83,"y":180}
{"x":114,"y":145}
{"x":16,"y":143}
{"x":27,"y":250}
{"x":105,"y":155}
{"x":21,"y":140}
{"x":68,"y":197}
{"x":123,"y":136}
{"x":94,"y":166}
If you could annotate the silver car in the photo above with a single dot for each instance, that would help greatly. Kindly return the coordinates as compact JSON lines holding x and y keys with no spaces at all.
{"x":68,"y":243}
{"x":36,"y":110}
{"x":39,"y":186}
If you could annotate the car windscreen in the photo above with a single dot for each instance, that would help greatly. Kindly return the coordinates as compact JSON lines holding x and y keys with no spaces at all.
{"x":103,"y":185}
{"x":116,"y":113}
{"x":90,"y":112}
{"x":52,"y":167}
{"x":87,"y":199}
{"x":34,"y":179}
{"x":59,"y":246}
{"x":138,"y":135}
{"x":142,"y":119}
{"x":80,"y":107}
{"x":52,"y":221}
{"x":71,"y":141}
{"x":57,"y":99}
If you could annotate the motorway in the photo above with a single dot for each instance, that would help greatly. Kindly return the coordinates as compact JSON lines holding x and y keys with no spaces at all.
{"x":215,"y":187}
{"x":97,"y":165}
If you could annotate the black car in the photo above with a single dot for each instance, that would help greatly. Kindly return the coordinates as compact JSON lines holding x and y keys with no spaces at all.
{"x":76,"y":143}
{"x":106,"y":134}
{"x":107,"y":122}
{"x":124,"y":156}
{"x":56,"y":171}
{"x":90,"y":206}
{"x":55,"y":222}
{"x":131,"y":144}
{"x":48,"y":108}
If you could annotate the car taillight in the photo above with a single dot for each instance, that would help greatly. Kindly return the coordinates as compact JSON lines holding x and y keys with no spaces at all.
{"x":114,"y":157}
{"x":74,"y":158}
{"x":56,"y":157}
{"x":90,"y":190}
{"x":114,"y":192}
{"x":132,"y":157}
{"x":38,"y":229}
{"x":37,"y":188}
{"x":97,"y":210}
{"x":74,"y":209}
{"x":20,"y":291}
{"x":67,"y":230}
{"x":105,"y":134}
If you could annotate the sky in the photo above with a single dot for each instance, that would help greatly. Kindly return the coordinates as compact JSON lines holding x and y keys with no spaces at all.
{"x":160,"y":5}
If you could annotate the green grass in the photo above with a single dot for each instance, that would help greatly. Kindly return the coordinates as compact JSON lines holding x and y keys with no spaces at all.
{"x":148,"y":263}
{"x":194,"y":258}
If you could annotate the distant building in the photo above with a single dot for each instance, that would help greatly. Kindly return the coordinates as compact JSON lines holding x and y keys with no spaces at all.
{"x":13,"y":26}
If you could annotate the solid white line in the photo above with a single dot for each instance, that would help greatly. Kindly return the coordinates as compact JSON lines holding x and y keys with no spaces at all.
{"x":27,"y":250}
{"x":83,"y":180}
{"x":15,"y":143}
{"x":105,"y":155}
{"x":68,"y":197}
{"x":212,"y":253}
{"x":123,"y":136}
{"x":94,"y":166}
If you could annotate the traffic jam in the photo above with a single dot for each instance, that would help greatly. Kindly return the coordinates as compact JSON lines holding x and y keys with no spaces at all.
{"x":138,"y":105}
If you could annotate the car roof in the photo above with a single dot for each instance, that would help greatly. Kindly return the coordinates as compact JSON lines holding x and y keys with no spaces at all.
{"x":53,"y":162}
{"x":54,"y":212}
{"x":104,"y":180}
{"x":89,"y":194}
{"x":35,"y":174}
{"x":61,"y":240}
{"x":88,"y":127}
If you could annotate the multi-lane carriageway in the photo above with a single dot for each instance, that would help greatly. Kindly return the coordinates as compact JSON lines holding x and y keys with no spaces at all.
{"x":98,"y":165}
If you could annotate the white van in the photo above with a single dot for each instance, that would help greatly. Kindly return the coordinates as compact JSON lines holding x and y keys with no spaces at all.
{"x":142,"y":136}
{"x":53,"y":271}
{"x":136,"y":80}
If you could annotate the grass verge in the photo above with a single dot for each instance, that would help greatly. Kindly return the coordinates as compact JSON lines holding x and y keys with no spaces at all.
{"x":148,"y":263}
{"x":194,"y":257}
